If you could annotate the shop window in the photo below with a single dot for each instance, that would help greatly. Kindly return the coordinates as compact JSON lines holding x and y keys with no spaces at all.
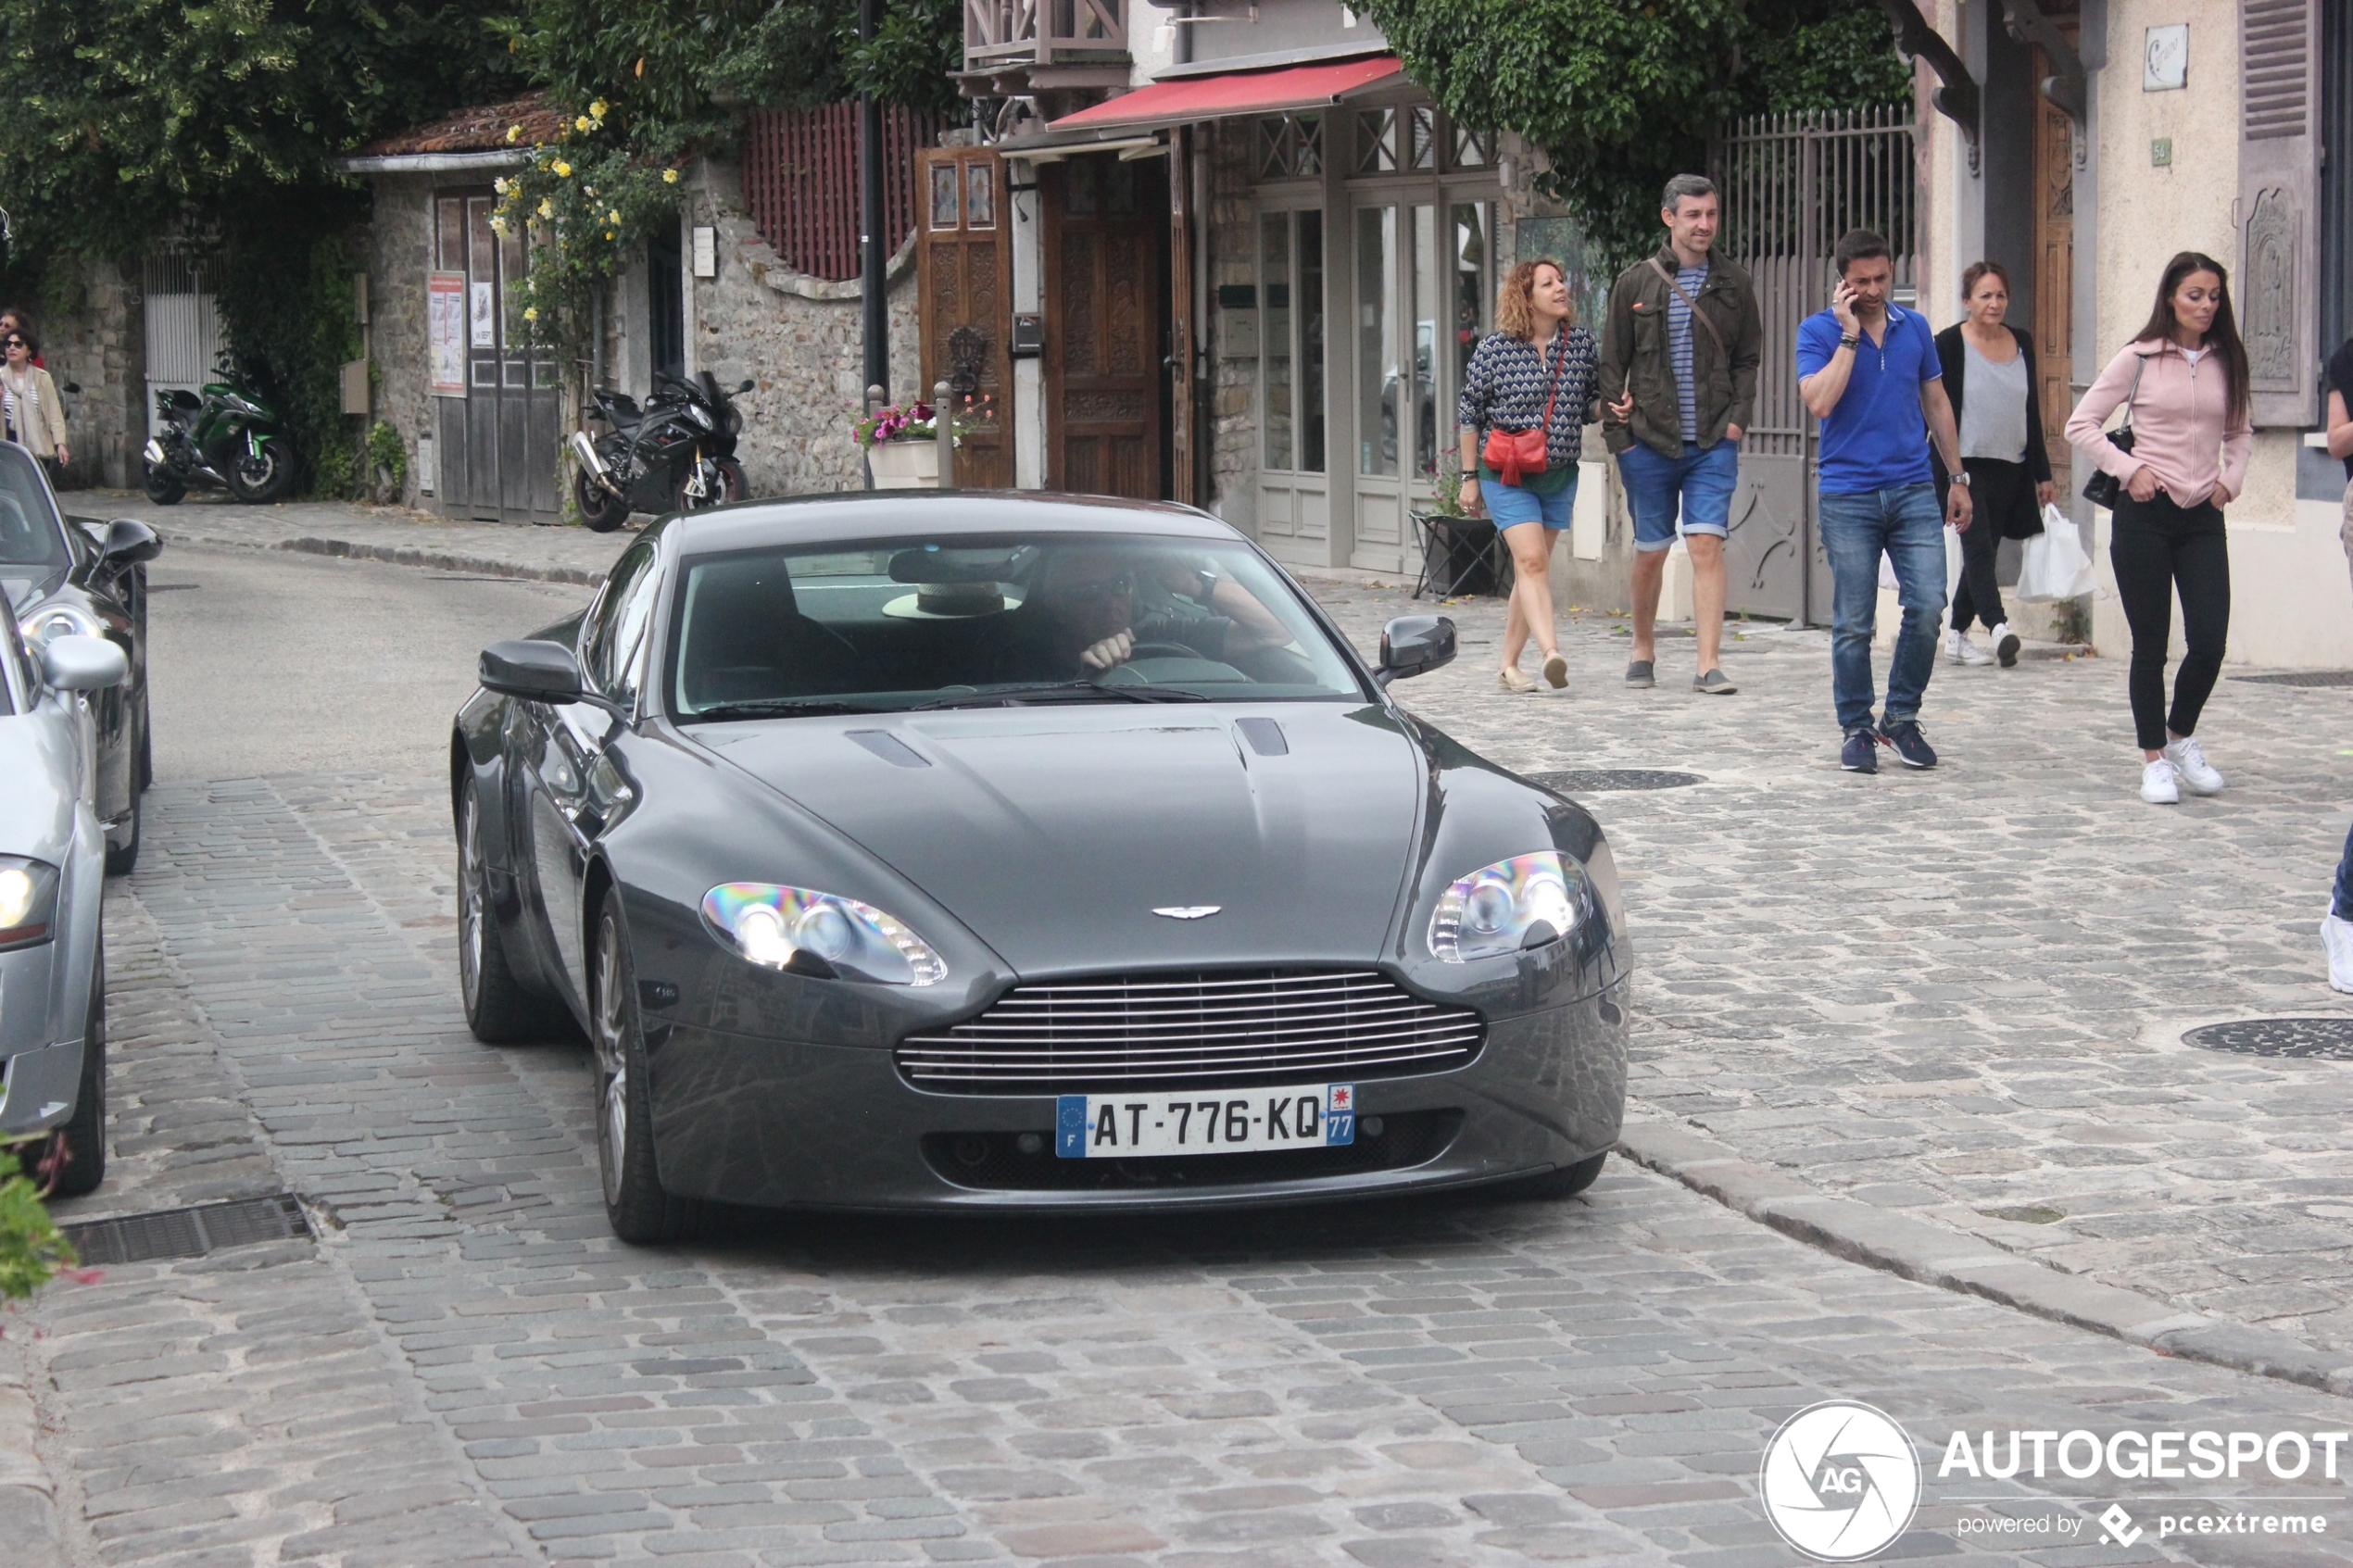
{"x":1291,"y":299}
{"x":1376,"y":142}
{"x":1421,"y":130}
{"x":1473,"y":149}
{"x":1289,"y":147}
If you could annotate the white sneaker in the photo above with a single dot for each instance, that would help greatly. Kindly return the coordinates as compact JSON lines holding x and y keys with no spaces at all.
{"x":2196,"y":772}
{"x":2160,"y":782}
{"x":2004,"y":643}
{"x":2336,"y":940}
{"x":1960,"y":650}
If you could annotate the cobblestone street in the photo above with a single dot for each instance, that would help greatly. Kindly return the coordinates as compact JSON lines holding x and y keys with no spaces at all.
{"x":1954,"y":997}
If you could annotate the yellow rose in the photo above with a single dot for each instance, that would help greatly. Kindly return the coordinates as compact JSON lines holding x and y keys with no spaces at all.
{"x":613,"y":216}
{"x":598,"y":109}
{"x":580,"y":124}
{"x":513,"y":131}
{"x":547,"y":208}
{"x":500,"y":184}
{"x":531,"y":312}
{"x":669,"y":177}
{"x":563,"y":169}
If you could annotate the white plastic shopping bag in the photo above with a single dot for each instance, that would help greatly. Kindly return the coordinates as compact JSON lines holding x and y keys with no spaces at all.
{"x":2054,"y":565}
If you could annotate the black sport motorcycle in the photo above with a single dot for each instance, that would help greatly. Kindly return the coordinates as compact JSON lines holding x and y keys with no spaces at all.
{"x":677,"y":454}
{"x":227,"y":437}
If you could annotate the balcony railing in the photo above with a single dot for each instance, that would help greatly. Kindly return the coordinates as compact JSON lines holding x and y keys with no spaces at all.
{"x":1003,"y":33}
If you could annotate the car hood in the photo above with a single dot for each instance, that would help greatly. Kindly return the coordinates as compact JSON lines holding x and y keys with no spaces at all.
{"x":1055,"y":834}
{"x":36,"y":787}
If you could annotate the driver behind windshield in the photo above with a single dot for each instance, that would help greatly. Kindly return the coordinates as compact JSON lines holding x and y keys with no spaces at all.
{"x":1093,"y":608}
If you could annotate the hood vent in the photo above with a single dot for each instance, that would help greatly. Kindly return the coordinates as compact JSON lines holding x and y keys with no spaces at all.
{"x":890,"y":748}
{"x":1264,"y":736}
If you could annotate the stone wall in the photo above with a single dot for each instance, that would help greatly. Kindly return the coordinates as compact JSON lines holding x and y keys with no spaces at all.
{"x":1233,"y":423}
{"x":100,"y":345}
{"x":399,"y":255}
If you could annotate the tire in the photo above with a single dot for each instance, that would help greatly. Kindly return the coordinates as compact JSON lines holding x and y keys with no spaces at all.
{"x":641,"y":1214}
{"x":498,"y":1009}
{"x":729,"y":485}
{"x":147,"y":745}
{"x":123,"y":858}
{"x":1567,"y":1182}
{"x":601,"y":511}
{"x":259,"y":480}
{"x":78,"y":1147}
{"x":164,"y":487}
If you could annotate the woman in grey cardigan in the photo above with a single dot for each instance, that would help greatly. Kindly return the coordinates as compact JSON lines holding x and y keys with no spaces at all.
{"x":1990,"y":375}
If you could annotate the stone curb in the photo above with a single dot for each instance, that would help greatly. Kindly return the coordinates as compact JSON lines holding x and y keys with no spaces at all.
{"x":1931,"y":1254}
{"x":438,"y":560}
{"x":28,"y":1496}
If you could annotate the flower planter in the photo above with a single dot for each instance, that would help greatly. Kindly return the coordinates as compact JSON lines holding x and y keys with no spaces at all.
{"x":905,"y":465}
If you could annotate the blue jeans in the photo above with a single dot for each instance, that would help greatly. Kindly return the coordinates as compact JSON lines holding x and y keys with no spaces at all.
{"x":1699,"y":484}
{"x":1906,"y":524}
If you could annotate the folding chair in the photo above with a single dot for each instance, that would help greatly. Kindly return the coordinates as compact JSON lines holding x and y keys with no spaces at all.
{"x":1460,"y":556}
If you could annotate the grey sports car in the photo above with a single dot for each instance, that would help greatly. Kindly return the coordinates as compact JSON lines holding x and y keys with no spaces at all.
{"x":1030,"y":853}
{"x":52,"y":854}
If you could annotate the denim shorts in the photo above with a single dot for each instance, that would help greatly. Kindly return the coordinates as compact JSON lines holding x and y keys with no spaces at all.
{"x":1698,"y":485}
{"x":1508,"y":504}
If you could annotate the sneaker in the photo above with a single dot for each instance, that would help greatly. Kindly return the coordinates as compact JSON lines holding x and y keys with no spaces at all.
{"x":2160,"y":782}
{"x":1638,"y":673}
{"x":2183,"y":751}
{"x":1513,"y":681}
{"x":1909,"y":744}
{"x":1960,"y":650}
{"x":2005,"y":644}
{"x":1714,"y":683}
{"x":2336,"y":940}
{"x":1556,"y":671}
{"x":1861,"y":754}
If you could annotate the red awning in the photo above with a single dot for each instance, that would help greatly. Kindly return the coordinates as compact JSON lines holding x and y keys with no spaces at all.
{"x":1215,"y":97}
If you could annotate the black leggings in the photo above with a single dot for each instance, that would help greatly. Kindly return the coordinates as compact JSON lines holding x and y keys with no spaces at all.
{"x":2159,"y":549}
{"x":1997,"y":493}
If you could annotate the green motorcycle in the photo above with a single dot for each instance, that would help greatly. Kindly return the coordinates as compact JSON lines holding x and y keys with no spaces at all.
{"x":228,"y":437}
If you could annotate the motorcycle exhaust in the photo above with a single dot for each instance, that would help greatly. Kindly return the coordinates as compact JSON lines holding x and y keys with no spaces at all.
{"x":586,"y":450}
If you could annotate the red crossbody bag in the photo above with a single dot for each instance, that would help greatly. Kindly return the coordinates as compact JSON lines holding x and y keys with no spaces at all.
{"x":1512,"y":453}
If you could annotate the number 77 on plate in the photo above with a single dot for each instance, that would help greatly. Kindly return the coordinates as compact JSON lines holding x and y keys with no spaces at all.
{"x":1204,"y":1122}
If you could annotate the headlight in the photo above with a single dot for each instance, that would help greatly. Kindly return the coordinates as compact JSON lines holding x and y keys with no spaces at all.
{"x":44,"y":622}
{"x":820,"y":934}
{"x":1523,"y":902}
{"x":28,"y":901}
{"x":700,"y":414}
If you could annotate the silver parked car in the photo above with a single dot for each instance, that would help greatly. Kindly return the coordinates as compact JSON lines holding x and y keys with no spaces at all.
{"x":53,"y":854}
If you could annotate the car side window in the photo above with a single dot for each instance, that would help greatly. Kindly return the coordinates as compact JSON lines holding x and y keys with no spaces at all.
{"x":610,"y":651}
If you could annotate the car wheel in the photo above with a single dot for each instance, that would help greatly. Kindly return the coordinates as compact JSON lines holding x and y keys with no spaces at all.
{"x":640,"y":1211}
{"x":122,"y":842}
{"x":498,"y":1010}
{"x":1567,"y":1182}
{"x":74,"y":1157}
{"x":146,"y":744}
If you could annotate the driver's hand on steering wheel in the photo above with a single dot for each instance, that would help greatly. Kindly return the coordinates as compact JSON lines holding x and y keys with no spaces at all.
{"x":1113,"y":650}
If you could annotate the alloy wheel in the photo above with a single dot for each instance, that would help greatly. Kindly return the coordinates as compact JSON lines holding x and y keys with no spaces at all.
{"x":612,"y":1062}
{"x":470,"y":906}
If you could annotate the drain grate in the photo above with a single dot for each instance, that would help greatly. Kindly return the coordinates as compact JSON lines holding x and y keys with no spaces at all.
{"x":188,"y":1233}
{"x":2309,"y":1039}
{"x":1589,"y":780}
{"x":2310,"y":678}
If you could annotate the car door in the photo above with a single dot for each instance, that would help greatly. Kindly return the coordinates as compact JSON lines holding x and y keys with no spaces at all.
{"x":559,"y":747}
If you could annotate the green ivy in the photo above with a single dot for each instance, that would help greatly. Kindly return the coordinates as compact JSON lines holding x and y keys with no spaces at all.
{"x":32,"y":1250}
{"x":388,"y":455}
{"x":286,"y":299}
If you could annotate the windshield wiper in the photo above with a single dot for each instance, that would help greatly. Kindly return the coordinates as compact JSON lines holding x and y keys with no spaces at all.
{"x":777,"y":707}
{"x":1060,"y":691}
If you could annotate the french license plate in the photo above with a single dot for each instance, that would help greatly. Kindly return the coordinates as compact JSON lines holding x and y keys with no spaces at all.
{"x":1204,"y":1122}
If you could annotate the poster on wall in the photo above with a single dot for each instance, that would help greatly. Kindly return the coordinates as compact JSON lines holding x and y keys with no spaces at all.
{"x":485,"y":317}
{"x":446,"y":332}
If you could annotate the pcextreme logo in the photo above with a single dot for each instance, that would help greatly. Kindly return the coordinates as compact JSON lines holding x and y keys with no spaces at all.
{"x":1840,"y":1481}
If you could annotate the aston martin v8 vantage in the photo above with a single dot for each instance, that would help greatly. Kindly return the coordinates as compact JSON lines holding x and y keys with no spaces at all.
{"x":1032,"y":853}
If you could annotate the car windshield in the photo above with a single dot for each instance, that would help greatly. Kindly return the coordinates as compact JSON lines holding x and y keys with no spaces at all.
{"x":982,"y":623}
{"x":32,"y":542}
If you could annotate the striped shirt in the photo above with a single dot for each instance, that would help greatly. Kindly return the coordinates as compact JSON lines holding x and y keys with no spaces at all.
{"x":1679,"y":343}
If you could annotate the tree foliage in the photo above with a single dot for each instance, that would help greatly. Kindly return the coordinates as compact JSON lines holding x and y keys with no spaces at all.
{"x":1622,"y":94}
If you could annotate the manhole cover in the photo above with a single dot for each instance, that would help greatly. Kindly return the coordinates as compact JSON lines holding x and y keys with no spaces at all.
{"x":2308,"y":678}
{"x":1589,"y":780}
{"x":2311,"y":1039}
{"x":187,"y":1233}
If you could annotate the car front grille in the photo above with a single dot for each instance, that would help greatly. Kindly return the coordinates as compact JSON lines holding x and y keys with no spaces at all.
{"x":1145,"y":1030}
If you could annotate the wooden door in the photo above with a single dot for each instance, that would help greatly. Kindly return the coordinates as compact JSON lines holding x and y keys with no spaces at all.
{"x":1184,"y":411}
{"x":964,"y":304}
{"x":1106,"y":290}
{"x":498,"y":444}
{"x":2054,"y":264}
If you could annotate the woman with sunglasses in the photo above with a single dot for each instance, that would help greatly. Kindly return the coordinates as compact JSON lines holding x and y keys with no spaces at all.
{"x":29,"y":398}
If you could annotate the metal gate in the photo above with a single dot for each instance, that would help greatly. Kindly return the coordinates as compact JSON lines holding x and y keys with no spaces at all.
{"x":182,"y":327}
{"x":1791,"y":186}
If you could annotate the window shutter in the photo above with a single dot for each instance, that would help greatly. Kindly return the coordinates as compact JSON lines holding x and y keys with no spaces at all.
{"x":2277,"y":291}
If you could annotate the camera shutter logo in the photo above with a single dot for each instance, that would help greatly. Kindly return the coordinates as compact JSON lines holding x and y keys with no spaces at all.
{"x":1840,"y":1481}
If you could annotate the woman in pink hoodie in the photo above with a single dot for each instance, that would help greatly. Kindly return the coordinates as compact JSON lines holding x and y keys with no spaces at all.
{"x":2185,"y":379}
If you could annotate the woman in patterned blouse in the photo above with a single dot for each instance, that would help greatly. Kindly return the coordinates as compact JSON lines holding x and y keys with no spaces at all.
{"x":1507,"y":386}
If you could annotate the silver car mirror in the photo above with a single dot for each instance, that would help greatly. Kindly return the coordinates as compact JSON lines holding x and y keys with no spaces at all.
{"x":82,"y":664}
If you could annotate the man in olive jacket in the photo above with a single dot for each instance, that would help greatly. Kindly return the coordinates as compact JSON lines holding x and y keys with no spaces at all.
{"x":1679,"y":353}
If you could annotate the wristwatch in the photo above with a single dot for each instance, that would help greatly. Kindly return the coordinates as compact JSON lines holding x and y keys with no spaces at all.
{"x":1961,"y":478}
{"x":1848,"y":340}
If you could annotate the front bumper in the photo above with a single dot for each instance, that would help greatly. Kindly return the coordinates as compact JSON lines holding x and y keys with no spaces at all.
{"x":778,"y":1124}
{"x":38,"y":1077}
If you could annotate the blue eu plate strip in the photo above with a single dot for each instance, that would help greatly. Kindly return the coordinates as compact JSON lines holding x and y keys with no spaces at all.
{"x":1070,"y":1126}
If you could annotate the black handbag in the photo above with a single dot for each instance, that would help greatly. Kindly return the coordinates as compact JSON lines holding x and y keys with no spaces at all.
{"x":2103,"y":488}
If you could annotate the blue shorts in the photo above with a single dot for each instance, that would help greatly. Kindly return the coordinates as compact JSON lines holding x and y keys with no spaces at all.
{"x":1698,"y":484}
{"x":1508,"y":504}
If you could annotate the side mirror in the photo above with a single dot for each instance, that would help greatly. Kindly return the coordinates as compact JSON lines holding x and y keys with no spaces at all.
{"x":128,"y":541}
{"x":1416,"y":645}
{"x":746,"y":387}
{"x":82,"y":664}
{"x":539,"y":671}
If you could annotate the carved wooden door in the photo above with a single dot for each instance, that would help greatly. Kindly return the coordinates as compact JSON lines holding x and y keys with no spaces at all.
{"x":1106,"y":232}
{"x":2053,"y":266}
{"x":963,"y":284}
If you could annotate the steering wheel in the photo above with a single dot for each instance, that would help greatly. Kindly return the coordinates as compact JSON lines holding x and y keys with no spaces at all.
{"x":1162,"y":650}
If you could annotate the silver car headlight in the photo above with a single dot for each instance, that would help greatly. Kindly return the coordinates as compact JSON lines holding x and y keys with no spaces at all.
{"x":44,"y":622}
{"x":820,"y":934}
{"x":1523,"y":902}
{"x":27,"y":902}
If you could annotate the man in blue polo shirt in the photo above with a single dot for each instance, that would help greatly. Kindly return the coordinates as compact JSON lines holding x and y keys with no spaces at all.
{"x":1868,"y":370}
